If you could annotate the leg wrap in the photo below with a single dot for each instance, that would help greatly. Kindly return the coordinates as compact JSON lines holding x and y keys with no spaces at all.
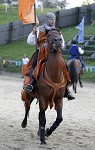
{"x":34,"y":63}
{"x":42,"y":134}
{"x":42,"y":122}
{"x":54,"y":126}
{"x":42,"y":119}
{"x":56,"y":123}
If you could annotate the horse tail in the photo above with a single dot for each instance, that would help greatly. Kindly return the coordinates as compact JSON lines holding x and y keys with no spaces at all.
{"x":72,"y":72}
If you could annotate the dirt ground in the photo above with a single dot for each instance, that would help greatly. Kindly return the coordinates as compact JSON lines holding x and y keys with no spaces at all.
{"x":76,"y":132}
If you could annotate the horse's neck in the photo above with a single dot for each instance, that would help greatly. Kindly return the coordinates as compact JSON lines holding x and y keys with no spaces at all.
{"x":54,"y":67}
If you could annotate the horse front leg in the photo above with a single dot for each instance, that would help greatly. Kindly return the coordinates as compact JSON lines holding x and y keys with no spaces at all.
{"x":80,"y":82}
{"x":42,"y":122}
{"x":59,"y":119}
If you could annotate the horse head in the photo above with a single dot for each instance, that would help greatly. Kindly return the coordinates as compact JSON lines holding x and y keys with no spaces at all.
{"x":54,"y":40}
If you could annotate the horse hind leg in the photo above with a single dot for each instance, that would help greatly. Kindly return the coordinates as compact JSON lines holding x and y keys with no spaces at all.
{"x":24,"y":122}
{"x":80,"y":82}
{"x":74,"y":87}
{"x":59,"y":119}
{"x":27,"y":108}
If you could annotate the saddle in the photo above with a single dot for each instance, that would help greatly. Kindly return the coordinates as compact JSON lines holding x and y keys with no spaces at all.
{"x":36,"y":71}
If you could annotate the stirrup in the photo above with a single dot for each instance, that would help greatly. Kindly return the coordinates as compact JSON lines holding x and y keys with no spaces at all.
{"x":28,"y":88}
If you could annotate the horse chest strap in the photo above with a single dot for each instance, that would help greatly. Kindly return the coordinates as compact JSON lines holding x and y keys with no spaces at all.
{"x":55,"y":86}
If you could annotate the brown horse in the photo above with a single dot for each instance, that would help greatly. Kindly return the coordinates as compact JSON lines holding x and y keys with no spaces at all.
{"x":75,"y":71}
{"x":51,"y":86}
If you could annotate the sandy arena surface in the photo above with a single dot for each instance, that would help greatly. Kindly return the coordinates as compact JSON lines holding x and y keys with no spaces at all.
{"x":76,"y":132}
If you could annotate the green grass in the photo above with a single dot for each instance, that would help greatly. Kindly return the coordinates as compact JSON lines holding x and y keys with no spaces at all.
{"x":15,"y":50}
{"x":12,"y":15}
{"x":88,"y":76}
{"x":71,"y":31}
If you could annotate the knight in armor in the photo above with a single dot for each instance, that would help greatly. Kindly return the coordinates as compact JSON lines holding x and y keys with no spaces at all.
{"x":75,"y":52}
{"x":41,"y":52}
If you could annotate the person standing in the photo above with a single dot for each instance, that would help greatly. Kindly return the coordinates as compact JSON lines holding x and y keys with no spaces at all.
{"x":25,"y":61}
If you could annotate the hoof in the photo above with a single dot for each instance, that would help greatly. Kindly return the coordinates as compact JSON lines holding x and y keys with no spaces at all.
{"x":38,"y":133}
{"x":24,"y":124}
{"x":43,"y":143}
{"x":46,"y":132}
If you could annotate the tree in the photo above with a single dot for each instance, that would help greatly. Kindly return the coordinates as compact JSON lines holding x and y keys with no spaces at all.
{"x":87,"y":2}
{"x":49,"y":4}
{"x":54,"y":3}
{"x":62,"y":4}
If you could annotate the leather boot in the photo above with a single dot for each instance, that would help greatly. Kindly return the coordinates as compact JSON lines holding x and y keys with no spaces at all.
{"x":30,"y":87}
{"x":68,"y":94}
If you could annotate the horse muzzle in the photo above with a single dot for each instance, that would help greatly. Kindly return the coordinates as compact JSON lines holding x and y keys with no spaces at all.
{"x":57,"y":44}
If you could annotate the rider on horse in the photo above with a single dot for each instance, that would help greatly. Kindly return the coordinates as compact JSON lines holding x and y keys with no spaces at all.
{"x":41,"y":52}
{"x":75,"y":52}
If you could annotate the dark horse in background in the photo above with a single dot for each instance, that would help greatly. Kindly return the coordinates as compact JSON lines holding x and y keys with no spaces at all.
{"x":75,"y":70}
{"x":51,"y":86}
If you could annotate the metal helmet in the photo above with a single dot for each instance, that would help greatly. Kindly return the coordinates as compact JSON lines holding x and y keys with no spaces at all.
{"x":48,"y":17}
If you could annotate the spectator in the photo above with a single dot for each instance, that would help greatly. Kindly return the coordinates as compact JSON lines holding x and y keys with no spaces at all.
{"x":25,"y":61}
